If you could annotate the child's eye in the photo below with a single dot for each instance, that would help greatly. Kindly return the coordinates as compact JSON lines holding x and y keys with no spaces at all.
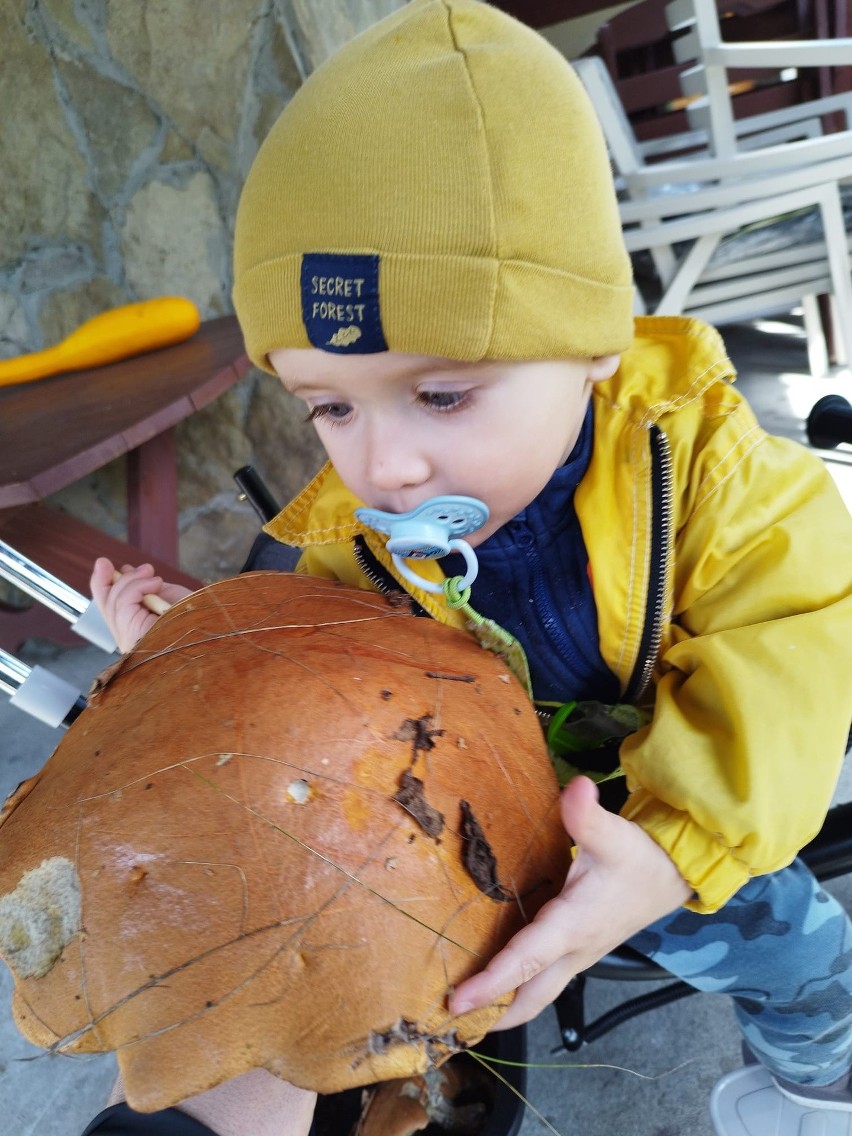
{"x":443,"y":399}
{"x":332,"y":412}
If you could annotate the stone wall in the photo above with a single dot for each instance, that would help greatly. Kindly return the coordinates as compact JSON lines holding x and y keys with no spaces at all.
{"x":126,"y":130}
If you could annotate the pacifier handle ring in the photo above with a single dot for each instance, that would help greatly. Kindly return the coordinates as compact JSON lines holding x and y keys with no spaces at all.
{"x":429,"y":585}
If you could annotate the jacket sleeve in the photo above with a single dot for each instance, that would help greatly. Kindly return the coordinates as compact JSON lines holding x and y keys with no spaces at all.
{"x":753,"y":695}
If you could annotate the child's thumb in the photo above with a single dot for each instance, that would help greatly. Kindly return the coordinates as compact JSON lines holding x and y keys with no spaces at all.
{"x":583,"y":816}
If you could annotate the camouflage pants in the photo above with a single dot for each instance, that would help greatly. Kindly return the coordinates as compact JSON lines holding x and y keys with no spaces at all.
{"x":782,"y":949}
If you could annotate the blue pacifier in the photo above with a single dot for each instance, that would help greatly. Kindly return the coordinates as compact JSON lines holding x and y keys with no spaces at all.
{"x":430,"y":531}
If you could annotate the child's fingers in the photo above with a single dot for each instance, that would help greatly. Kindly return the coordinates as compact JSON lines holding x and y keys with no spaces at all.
{"x":130,"y":599}
{"x":105,"y":578}
{"x":535,"y":995}
{"x":101,"y":580}
{"x":128,"y":585}
{"x":102,"y":568}
{"x":140,"y":586}
{"x":171,"y":593}
{"x":129,"y":572}
{"x":533,"y":950}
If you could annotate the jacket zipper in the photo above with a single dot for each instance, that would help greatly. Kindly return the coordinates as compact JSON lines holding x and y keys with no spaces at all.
{"x":661,"y":525}
{"x":379,"y":577}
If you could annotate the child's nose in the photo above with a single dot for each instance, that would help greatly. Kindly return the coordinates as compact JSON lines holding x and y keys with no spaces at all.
{"x":395,"y":463}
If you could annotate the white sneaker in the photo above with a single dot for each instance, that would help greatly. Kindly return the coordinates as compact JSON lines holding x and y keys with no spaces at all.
{"x":747,"y":1102}
{"x":836,"y":1097}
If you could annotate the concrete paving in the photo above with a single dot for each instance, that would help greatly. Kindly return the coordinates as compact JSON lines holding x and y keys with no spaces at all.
{"x":650,"y":1077}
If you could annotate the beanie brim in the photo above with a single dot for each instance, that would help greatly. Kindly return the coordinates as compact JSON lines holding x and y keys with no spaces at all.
{"x":466,"y":308}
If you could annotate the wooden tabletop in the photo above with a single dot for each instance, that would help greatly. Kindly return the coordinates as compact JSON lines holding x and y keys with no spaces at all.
{"x":55,"y":431}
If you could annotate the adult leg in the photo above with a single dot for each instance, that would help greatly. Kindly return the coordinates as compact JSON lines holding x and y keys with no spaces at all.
{"x":256,"y":1102}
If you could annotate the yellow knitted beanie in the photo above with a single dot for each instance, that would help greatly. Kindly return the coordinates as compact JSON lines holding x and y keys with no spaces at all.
{"x":440,"y":186}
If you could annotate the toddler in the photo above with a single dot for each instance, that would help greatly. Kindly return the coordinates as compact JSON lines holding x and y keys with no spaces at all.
{"x":428,"y":253}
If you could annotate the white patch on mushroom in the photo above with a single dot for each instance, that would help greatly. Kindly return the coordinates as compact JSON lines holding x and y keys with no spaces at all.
{"x":40,"y":917}
{"x":299,"y":791}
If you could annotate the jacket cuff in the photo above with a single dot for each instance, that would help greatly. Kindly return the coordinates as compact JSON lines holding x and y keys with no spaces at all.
{"x":711,"y":870}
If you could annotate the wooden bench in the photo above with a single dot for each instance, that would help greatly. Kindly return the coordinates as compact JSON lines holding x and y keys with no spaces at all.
{"x":55,"y":431}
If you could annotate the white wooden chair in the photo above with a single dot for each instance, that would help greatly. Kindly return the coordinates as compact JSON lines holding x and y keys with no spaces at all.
{"x":765,"y":143}
{"x":640,"y":53}
{"x":707,"y":82}
{"x":692,"y":216}
{"x":748,"y":282}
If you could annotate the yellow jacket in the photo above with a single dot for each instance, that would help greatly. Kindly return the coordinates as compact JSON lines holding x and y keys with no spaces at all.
{"x":721,"y":562}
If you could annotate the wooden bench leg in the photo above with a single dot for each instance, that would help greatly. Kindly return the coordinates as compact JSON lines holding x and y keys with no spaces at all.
{"x":152,"y":519}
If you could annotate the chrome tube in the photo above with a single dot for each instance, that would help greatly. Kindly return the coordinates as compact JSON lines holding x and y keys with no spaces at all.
{"x":36,"y":582}
{"x":39,"y":692}
{"x":13,"y":673}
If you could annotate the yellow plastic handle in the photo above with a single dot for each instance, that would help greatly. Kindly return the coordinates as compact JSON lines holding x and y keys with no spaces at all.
{"x":117,"y":334}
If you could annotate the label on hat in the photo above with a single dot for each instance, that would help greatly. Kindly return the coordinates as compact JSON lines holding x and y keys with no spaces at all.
{"x":340,"y":302}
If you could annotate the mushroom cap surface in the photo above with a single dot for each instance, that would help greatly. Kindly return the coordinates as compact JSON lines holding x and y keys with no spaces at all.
{"x":288,"y":822}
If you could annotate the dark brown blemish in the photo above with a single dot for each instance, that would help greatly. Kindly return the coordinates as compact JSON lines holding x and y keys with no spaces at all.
{"x":386,"y":695}
{"x":418,"y":731}
{"x":449,"y":677}
{"x":413,"y":800}
{"x":405,"y":1032}
{"x":478,"y":858}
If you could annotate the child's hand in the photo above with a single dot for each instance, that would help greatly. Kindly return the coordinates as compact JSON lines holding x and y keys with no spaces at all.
{"x":619,"y":882}
{"x":121,"y":601}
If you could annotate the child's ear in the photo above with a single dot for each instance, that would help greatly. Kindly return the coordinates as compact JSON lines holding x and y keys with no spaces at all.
{"x":603,"y":367}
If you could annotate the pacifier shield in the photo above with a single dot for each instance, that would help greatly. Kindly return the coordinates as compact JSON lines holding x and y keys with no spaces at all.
{"x":425,"y":533}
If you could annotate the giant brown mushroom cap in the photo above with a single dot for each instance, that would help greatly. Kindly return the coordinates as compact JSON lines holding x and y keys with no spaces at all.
{"x":287,"y":823}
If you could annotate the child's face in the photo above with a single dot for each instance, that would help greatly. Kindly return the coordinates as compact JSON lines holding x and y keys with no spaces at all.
{"x":400,"y":429}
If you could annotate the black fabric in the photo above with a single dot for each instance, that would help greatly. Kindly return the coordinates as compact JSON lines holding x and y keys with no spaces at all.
{"x":269,"y":555}
{"x":122,"y":1120}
